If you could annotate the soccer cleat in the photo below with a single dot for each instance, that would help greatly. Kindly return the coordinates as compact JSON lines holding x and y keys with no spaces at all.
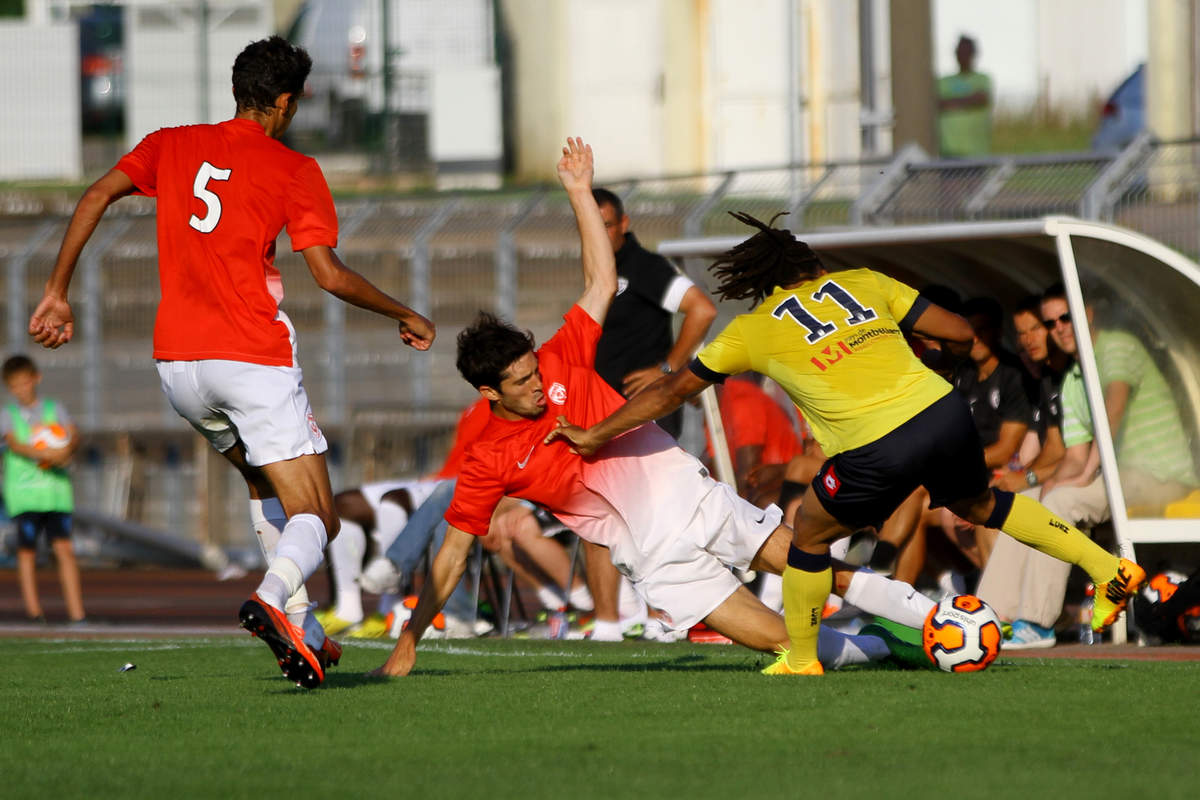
{"x":903,"y":653}
{"x":1111,"y":597}
{"x":332,"y":623}
{"x":373,"y":627}
{"x":297,"y":660}
{"x":1028,"y":635}
{"x":330,"y":653}
{"x":780,"y":666}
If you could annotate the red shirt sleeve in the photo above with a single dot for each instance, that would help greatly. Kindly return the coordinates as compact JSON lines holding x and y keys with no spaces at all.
{"x":141,"y":164}
{"x":311,"y":216}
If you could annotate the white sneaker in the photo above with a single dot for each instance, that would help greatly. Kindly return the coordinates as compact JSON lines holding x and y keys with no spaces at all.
{"x":657,"y":631}
{"x":1029,"y":636}
{"x":380,"y":577}
{"x":460,"y":628}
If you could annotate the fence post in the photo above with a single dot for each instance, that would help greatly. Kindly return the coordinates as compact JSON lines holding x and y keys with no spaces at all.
{"x":1098,"y":201}
{"x":334,"y":313}
{"x":421,"y":296}
{"x":506,"y":257}
{"x":18,"y":267}
{"x":891,"y":177}
{"x":93,"y":318}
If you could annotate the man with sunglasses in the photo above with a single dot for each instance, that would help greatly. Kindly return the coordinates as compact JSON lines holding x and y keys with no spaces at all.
{"x":1014,"y":575}
{"x":1152,"y":455}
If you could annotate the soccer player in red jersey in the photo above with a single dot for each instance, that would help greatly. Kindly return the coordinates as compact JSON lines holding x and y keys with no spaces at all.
{"x":669,"y":527}
{"x":226,"y":352}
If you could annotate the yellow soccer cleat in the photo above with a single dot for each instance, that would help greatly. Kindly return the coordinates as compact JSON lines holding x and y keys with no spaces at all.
{"x":332,"y":623}
{"x":373,"y":627}
{"x":1112,"y":596}
{"x":780,"y":666}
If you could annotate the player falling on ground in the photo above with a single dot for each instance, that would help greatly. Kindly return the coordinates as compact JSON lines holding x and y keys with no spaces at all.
{"x":887,"y":422}
{"x":226,"y":352}
{"x":669,"y":527}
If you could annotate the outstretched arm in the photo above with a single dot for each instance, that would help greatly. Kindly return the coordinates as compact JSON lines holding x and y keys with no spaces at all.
{"x":599,"y":263}
{"x":344,"y":283}
{"x":52,"y":323}
{"x":661,"y":397}
{"x":448,"y":568}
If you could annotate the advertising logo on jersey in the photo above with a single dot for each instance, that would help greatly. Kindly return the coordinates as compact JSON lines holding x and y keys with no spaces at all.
{"x":557,"y":393}
{"x":830,"y":482}
{"x":622,"y":285}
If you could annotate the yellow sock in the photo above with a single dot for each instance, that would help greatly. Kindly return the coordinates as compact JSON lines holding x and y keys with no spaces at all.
{"x":804,"y":595}
{"x":1032,"y":523}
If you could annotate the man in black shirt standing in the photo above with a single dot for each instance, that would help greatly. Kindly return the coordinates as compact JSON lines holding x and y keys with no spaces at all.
{"x":636,"y":346}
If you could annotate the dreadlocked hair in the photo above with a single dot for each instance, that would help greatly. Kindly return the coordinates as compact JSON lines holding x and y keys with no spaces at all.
{"x":772,"y":257}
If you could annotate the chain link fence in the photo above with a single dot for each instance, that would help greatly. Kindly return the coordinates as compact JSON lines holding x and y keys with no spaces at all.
{"x":388,"y":410}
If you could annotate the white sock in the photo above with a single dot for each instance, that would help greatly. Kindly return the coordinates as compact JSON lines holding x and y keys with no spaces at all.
{"x":631,"y":607}
{"x":268,"y":518}
{"x":581,"y":598}
{"x":836,"y":649}
{"x":345,"y":557}
{"x":297,"y":557}
{"x":606,"y":631}
{"x":389,"y":521}
{"x":298,"y":609}
{"x":884,"y":597}
{"x":770,"y":591}
{"x":314,"y":634}
{"x":550,"y":598}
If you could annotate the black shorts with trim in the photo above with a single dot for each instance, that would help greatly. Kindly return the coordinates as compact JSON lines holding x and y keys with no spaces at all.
{"x":939,"y":449}
{"x":56,"y":524}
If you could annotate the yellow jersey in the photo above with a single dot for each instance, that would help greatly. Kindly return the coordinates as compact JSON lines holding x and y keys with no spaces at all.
{"x":835,"y":344}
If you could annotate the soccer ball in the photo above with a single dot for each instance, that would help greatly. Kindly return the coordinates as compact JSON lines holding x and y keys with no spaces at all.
{"x":397,"y":619}
{"x":52,"y":436}
{"x":962,"y":634}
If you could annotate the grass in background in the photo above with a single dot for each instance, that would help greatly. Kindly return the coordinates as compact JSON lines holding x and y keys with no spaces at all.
{"x":532,"y":719}
{"x":1041,"y":132}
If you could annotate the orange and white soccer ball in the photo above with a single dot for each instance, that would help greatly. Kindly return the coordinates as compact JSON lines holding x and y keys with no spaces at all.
{"x":962,"y":634}
{"x":52,"y":436}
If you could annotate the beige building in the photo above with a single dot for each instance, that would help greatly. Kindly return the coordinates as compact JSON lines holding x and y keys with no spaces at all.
{"x":681,"y":86}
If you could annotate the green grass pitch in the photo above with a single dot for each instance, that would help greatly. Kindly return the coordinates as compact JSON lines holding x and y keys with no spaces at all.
{"x":532,"y":719}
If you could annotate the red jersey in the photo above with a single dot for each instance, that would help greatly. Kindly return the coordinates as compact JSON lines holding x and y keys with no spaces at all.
{"x":752,"y":418}
{"x":224,"y":193}
{"x":471,"y":423}
{"x":587,"y":495}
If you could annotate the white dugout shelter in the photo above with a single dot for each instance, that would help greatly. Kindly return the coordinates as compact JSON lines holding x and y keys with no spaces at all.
{"x":1132,"y":282}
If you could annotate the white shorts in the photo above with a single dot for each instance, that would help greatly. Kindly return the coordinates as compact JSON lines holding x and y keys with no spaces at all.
{"x":265,"y":408}
{"x":687,"y":573}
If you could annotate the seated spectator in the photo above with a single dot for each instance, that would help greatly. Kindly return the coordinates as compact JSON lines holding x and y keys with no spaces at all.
{"x":996,"y":393}
{"x":760,"y":437}
{"x":1152,"y":455}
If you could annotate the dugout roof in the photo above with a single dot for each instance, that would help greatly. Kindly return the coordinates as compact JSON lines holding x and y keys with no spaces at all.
{"x":1132,"y":282}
